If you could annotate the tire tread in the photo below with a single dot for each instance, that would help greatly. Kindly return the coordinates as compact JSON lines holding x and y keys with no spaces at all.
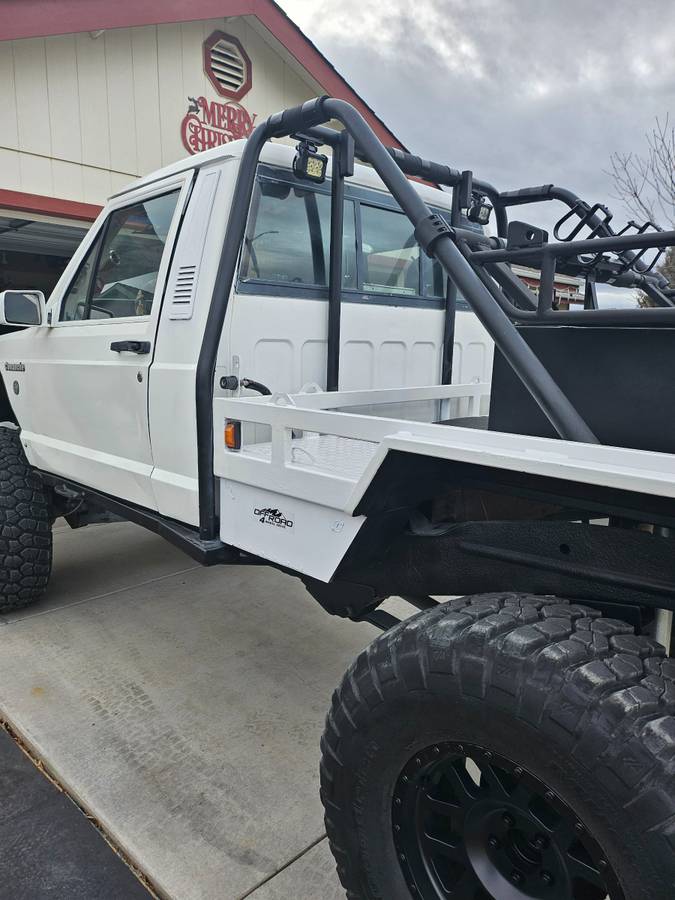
{"x":603,"y":693}
{"x":25,"y":527}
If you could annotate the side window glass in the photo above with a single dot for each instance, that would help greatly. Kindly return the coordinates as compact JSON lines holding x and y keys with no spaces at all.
{"x":433,"y":278}
{"x":391,"y":255}
{"x":119,"y":275}
{"x":288,"y":237}
{"x":74,"y":306}
{"x":349,"y":271}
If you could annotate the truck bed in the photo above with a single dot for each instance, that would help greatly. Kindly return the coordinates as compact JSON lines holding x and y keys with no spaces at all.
{"x":324,"y":452}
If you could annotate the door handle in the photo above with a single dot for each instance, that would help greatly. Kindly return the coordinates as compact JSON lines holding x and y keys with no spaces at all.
{"x":139,"y":347}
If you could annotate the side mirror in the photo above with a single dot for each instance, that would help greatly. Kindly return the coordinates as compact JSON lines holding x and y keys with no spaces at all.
{"x":22,"y":308}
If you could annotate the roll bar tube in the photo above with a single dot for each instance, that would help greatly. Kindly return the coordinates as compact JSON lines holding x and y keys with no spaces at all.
{"x":433,"y":234}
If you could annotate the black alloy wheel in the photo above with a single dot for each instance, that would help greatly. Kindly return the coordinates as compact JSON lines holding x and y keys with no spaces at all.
{"x":471,"y":825}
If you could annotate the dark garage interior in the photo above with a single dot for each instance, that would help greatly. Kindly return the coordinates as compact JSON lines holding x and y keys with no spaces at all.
{"x":34,"y":253}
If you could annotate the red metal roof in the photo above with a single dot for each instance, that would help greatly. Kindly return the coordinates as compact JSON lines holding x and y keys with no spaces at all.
{"x":41,"y":18}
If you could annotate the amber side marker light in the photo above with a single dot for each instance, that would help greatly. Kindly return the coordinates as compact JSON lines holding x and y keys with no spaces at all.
{"x":233,"y":434}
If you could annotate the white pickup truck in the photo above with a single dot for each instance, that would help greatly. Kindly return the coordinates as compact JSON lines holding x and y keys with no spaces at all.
{"x":266,"y":355}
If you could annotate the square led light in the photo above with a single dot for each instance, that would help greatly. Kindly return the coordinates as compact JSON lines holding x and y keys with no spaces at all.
{"x":479,"y":212}
{"x":308,"y":164}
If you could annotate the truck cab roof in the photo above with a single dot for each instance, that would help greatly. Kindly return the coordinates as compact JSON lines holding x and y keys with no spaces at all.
{"x":279,"y":155}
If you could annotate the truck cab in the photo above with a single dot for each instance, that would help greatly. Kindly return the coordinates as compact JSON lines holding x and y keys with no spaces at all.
{"x":107,"y":380}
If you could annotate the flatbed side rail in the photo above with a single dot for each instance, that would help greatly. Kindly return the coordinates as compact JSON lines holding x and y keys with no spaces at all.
{"x":304,"y":475}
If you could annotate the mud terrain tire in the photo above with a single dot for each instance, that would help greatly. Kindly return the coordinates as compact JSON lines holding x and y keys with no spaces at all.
{"x":25,"y":526}
{"x":532,"y":687}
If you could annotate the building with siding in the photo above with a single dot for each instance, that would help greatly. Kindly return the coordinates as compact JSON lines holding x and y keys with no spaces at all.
{"x":95,"y":93}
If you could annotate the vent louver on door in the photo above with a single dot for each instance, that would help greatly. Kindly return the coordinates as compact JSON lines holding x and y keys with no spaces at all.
{"x":184,"y":287}
{"x":184,"y":277}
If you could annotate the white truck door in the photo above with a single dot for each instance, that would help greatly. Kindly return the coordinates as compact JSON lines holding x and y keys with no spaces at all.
{"x":84,"y":407}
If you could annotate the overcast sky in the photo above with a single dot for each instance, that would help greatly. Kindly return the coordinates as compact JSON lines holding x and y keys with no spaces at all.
{"x":521,"y":91}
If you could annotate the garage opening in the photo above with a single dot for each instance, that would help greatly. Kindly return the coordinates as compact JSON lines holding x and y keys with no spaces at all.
{"x":34,"y":252}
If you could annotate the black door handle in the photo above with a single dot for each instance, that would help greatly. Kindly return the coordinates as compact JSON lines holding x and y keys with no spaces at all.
{"x":139,"y":347}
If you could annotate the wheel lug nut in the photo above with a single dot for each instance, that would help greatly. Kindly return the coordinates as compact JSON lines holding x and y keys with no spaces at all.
{"x":518,"y":772}
{"x":508,"y":820}
{"x":602,"y":863}
{"x":547,"y":878}
{"x":493,"y":842}
{"x":579,"y":828}
{"x":540,"y":842}
{"x":516,"y":877}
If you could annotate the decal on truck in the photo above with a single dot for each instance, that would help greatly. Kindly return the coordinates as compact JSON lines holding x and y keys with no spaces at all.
{"x":269,"y":516}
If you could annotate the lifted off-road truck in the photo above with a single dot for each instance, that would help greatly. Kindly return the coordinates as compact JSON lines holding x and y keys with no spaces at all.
{"x":270,"y":354}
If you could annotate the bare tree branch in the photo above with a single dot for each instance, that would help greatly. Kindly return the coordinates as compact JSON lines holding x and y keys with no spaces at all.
{"x":645,"y":184}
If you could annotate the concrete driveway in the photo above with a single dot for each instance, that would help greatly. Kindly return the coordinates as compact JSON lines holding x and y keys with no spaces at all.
{"x":182,"y":707}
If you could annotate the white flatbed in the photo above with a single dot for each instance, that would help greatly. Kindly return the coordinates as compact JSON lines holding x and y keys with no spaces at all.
{"x":338,"y":452}
{"x":322,"y":457}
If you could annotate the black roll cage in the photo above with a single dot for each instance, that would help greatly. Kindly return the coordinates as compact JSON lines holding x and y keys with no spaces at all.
{"x":476,"y":265}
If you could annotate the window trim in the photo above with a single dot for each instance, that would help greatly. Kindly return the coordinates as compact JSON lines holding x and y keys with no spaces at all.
{"x":183,"y":184}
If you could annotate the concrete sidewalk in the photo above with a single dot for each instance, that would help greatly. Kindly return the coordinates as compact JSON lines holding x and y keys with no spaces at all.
{"x":182,"y":707}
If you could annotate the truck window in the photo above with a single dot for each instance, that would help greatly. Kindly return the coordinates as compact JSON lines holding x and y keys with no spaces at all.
{"x":287,"y":245}
{"x":433,"y":277}
{"x":288,"y":237}
{"x":117,"y":277}
{"x":391,"y":255}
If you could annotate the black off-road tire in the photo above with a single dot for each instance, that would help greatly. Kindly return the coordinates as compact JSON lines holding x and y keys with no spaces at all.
{"x":25,"y":526}
{"x":574,"y":700}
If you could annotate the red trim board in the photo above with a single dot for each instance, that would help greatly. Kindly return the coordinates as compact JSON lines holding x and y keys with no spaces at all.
{"x":48,"y":206}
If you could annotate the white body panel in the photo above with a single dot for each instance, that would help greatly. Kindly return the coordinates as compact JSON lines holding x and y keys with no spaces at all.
{"x":173,"y":424}
{"x":303,"y":536}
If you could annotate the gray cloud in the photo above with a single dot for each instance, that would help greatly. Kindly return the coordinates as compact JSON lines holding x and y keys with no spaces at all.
{"x":520,"y":91}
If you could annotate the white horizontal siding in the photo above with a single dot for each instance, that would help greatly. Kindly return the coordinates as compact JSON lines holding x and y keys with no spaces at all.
{"x":80,"y":117}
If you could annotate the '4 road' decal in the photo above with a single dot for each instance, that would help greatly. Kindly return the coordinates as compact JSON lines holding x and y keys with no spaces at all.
{"x":270,"y":516}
